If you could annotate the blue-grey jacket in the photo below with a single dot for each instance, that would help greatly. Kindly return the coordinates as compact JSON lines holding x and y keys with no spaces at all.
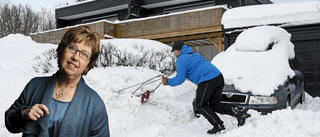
{"x":86,"y":115}
{"x":193,"y":66}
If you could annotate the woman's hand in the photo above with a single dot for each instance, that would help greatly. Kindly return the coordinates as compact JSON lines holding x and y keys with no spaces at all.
{"x":35,"y":112}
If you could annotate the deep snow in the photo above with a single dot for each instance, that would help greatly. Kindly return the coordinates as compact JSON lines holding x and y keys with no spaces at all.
{"x":168,"y":112}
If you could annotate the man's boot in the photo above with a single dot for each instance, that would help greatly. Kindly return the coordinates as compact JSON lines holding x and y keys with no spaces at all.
{"x":217,"y":128}
{"x":241,"y":115}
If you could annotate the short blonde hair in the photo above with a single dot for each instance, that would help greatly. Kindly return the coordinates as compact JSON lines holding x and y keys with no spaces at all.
{"x":78,"y":35}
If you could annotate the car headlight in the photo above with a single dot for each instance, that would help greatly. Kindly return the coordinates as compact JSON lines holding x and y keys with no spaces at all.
{"x":262,"y":100}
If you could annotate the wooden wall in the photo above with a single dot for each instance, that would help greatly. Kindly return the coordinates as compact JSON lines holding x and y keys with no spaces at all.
{"x":166,"y":26}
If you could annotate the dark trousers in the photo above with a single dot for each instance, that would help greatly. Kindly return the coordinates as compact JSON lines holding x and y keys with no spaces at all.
{"x":208,"y":99}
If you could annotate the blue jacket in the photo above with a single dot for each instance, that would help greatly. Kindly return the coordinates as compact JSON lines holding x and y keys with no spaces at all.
{"x":86,"y":115}
{"x":194,"y":67}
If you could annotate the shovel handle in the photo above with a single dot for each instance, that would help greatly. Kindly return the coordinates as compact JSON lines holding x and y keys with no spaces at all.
{"x":157,"y":87}
{"x":145,"y":83}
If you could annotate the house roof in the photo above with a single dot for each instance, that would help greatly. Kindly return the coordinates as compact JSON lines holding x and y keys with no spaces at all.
{"x":285,"y":14}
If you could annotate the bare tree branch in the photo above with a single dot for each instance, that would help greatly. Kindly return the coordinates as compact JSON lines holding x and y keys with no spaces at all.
{"x":22,"y":19}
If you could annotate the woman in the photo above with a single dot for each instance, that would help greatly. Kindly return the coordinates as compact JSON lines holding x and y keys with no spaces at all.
{"x":63,"y":104}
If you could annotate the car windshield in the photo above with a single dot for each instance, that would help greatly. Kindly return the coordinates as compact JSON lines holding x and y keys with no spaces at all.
{"x":258,"y":61}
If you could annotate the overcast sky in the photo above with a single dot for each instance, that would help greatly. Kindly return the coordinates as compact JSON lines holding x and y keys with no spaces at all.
{"x":38,"y":4}
{"x":52,"y":4}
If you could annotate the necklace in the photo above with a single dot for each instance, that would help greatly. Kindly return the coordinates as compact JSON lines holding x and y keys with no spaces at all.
{"x":60,"y":95}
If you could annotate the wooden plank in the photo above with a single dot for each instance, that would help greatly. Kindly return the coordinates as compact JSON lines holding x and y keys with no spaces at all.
{"x":190,"y":37}
{"x":220,"y":43}
{"x":214,"y":43}
{"x":182,"y":33}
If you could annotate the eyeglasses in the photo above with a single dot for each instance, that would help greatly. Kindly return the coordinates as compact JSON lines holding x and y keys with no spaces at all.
{"x":74,"y":50}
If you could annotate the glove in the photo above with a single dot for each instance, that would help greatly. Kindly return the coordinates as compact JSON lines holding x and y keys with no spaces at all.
{"x":164,"y":80}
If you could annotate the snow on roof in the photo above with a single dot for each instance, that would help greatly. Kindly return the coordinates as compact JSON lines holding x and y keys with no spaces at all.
{"x":284,"y":13}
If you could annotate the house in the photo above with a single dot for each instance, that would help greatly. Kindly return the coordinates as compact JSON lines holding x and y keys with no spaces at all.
{"x":112,"y":10}
{"x":301,"y":20}
{"x":197,"y":22}
{"x":200,"y":30}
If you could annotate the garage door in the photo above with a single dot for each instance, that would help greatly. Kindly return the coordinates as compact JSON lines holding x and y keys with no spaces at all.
{"x":306,"y":39}
{"x":308,"y":53}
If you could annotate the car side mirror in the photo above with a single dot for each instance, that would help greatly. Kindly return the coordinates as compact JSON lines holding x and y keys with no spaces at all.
{"x":294,"y":64}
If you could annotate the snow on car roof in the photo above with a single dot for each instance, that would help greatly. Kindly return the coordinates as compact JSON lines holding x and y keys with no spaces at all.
{"x":250,"y":67}
{"x":262,"y":38}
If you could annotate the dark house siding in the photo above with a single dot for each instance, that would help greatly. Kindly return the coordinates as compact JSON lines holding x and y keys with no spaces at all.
{"x":306,"y":39}
{"x":129,"y":9}
{"x":239,"y":3}
{"x":180,"y":7}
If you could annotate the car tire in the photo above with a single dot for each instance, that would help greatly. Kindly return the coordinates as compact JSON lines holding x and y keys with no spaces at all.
{"x":287,"y":103}
{"x":303,"y":96}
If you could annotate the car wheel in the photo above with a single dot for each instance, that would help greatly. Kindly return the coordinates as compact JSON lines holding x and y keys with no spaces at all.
{"x":287,"y":103}
{"x":303,"y":96}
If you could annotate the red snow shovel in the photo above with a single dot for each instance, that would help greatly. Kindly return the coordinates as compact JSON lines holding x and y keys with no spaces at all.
{"x":145,"y":96}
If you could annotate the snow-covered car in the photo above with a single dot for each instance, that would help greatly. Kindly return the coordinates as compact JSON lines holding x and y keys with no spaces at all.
{"x":261,"y":71}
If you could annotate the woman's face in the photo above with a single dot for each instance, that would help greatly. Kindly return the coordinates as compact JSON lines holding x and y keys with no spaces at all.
{"x":71,"y":62}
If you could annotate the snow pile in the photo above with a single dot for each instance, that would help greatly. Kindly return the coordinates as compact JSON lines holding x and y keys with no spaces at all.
{"x":17,"y":51}
{"x":250,"y":66}
{"x":136,"y":52}
{"x":129,"y":44}
{"x":285,"y":13}
{"x":118,"y":52}
{"x":168,"y":112}
{"x":284,"y":123}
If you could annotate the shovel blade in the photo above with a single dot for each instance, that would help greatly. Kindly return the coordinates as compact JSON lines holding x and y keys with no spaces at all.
{"x":144,"y":96}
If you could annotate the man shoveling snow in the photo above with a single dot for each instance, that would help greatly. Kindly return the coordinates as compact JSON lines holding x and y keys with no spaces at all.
{"x":210,"y":83}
